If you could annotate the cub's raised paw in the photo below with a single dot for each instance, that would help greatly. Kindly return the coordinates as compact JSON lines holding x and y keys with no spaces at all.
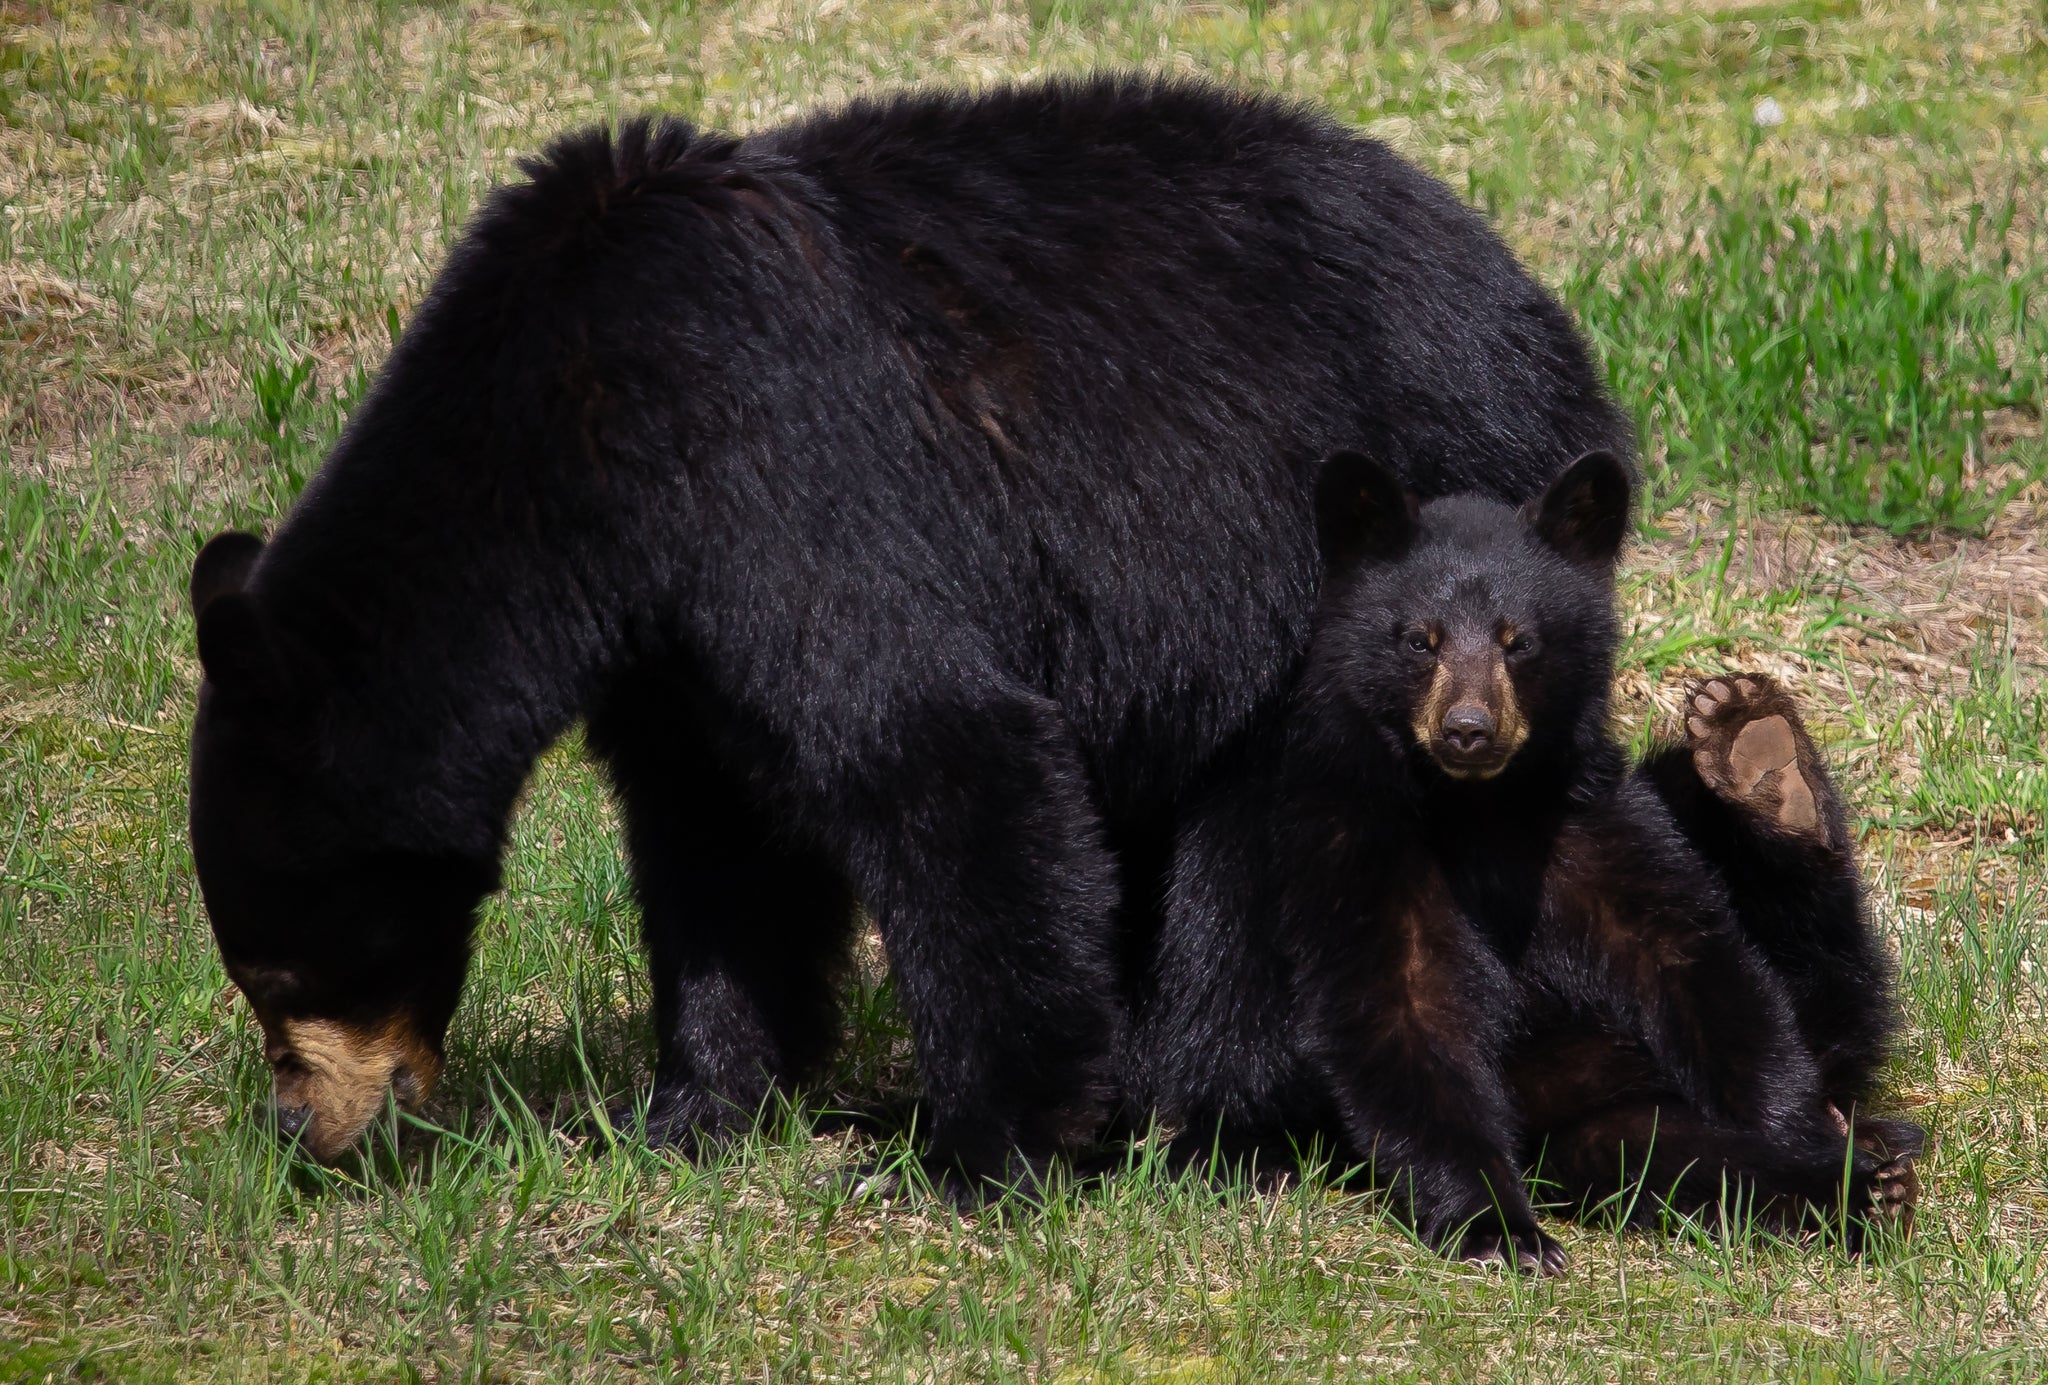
{"x":1749,"y":747}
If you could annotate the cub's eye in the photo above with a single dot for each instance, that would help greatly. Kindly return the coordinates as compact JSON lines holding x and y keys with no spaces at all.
{"x":1518,"y":644}
{"x":1418,"y":641}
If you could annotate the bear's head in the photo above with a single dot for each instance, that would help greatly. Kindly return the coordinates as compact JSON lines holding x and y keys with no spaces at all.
{"x":1471,"y":634}
{"x":349,"y":945}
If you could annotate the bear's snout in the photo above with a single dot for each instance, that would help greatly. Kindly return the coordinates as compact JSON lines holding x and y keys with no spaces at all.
{"x":1469,"y":721}
{"x":291,"y":1120}
{"x":330,"y":1080}
{"x":1469,"y":730}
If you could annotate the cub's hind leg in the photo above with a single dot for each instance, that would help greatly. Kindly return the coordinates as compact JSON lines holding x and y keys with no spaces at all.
{"x":1660,"y":1046}
{"x":1214,"y":1050}
{"x":1607,"y":1142}
{"x":1749,"y":790}
{"x":746,"y":930}
{"x":1635,"y":1157}
{"x":1751,"y":750}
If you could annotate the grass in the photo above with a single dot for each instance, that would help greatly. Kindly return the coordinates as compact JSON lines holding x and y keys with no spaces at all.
{"x":212,"y":216}
{"x":1834,"y":368}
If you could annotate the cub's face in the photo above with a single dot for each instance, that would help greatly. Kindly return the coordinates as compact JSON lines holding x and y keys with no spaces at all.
{"x":1469,"y":717}
{"x":1466,"y":629}
{"x":350,"y":954}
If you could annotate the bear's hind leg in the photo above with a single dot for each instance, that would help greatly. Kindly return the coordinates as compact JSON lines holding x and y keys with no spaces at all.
{"x":978,"y":846}
{"x":746,"y":933}
{"x":1750,"y":791}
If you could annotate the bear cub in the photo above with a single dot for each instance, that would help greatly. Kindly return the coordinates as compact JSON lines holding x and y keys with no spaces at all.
{"x":1552,"y":958}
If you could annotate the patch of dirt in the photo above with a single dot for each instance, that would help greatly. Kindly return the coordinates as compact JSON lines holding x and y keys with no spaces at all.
{"x":1934,"y":598}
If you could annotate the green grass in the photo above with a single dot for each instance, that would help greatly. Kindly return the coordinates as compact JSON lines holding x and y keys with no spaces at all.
{"x":213,"y":216}
{"x":1836,"y":369}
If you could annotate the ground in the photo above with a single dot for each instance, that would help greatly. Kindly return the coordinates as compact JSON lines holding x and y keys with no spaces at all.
{"x":1807,"y":238}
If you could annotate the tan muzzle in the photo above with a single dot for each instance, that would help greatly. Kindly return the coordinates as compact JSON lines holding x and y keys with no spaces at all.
{"x":330,"y":1079}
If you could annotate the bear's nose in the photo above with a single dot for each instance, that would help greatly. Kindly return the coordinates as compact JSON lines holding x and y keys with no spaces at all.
{"x":1469,"y":728}
{"x":291,"y":1119}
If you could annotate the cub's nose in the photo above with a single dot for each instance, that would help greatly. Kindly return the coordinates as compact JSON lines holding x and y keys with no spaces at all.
{"x":1468,"y":728}
{"x":291,"y":1119}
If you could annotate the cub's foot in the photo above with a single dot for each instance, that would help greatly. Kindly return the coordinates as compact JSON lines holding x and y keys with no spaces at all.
{"x":1894,"y":1194}
{"x":1749,"y":747}
{"x":1891,"y":1190}
{"x":1884,"y":1136}
{"x":1530,"y":1251}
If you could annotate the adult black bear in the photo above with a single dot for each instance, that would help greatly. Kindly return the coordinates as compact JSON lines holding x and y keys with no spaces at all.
{"x":1489,"y":939}
{"x":916,"y":500}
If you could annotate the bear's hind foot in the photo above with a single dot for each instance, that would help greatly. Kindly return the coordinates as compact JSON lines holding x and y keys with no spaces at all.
{"x":1751,"y":750}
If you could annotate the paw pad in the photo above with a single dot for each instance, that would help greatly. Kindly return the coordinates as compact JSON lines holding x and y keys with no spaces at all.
{"x":1749,"y":748}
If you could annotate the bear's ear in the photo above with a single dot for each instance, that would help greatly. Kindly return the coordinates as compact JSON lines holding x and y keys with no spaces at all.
{"x":236,"y":650}
{"x":235,"y":647}
{"x":1584,"y":514}
{"x":223,"y":566}
{"x":1362,"y":514}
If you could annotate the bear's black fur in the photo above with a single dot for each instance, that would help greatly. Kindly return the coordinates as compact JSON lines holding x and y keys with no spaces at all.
{"x":917,"y":501}
{"x":1474,"y":939}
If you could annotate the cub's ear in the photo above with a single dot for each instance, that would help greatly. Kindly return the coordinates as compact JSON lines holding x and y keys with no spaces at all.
{"x":1584,"y":514}
{"x":223,"y":566}
{"x":1362,"y":514}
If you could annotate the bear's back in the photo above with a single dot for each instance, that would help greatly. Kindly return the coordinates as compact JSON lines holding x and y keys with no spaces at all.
{"x":1032,"y":383}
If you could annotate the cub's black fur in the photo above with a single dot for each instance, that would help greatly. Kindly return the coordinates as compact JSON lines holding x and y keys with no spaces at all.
{"x":1490,"y":942}
{"x":917,"y":501}
{"x":1794,"y":887}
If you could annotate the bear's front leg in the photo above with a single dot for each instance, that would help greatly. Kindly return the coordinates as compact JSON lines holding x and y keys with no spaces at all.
{"x":1407,"y":1013}
{"x":976,"y":843}
{"x":746,"y":933}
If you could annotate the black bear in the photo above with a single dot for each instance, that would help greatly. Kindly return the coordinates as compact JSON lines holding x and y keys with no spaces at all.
{"x":1475,"y":938}
{"x":916,"y":500}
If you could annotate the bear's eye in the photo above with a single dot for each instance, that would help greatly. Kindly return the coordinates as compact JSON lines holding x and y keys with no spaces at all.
{"x":1517,"y":644}
{"x":1419,"y":642}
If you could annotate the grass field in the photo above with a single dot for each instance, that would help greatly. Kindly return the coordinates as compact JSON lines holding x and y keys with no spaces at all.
{"x":1809,"y":240}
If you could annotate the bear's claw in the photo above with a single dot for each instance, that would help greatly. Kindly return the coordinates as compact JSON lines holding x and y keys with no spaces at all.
{"x":1893,"y":1187}
{"x":1527,"y":1252}
{"x":1894,"y":1194}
